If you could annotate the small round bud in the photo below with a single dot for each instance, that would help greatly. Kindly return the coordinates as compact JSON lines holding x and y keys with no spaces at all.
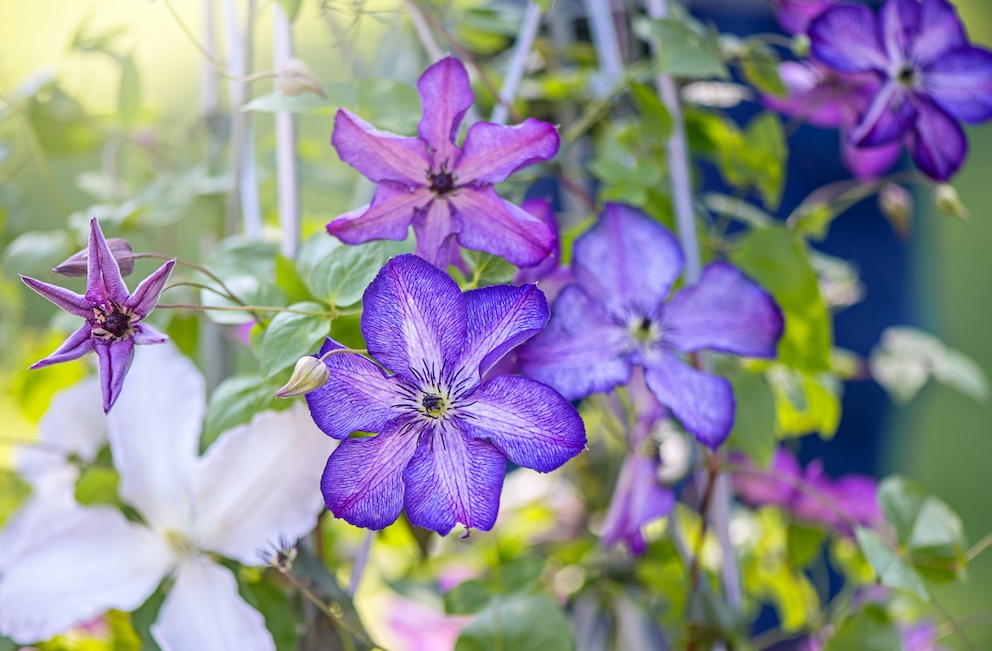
{"x":947,"y":201}
{"x":896,"y":203}
{"x":75,"y":265}
{"x":800,"y":46}
{"x":296,"y":78}
{"x":309,"y":374}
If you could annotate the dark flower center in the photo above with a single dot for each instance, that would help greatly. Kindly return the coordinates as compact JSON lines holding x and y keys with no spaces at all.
{"x":442,"y":181}
{"x":116,"y":324}
{"x":432,"y":403}
{"x":112,"y":322}
{"x":906,"y":76}
{"x":645,"y":324}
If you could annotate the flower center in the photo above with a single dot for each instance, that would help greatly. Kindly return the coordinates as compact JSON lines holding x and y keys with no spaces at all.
{"x":442,"y":181}
{"x":906,"y":76}
{"x":643,"y":329}
{"x":113,"y":323}
{"x":434,"y":405}
{"x":179,"y":543}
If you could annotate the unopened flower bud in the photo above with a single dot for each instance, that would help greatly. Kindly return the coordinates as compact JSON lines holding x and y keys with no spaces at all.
{"x":296,"y":78}
{"x":800,"y":46}
{"x":947,"y":201}
{"x":896,"y":203}
{"x":309,"y":375}
{"x":75,"y":265}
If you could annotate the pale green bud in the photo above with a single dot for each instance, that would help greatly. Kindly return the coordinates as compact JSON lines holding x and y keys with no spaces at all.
{"x":309,"y":375}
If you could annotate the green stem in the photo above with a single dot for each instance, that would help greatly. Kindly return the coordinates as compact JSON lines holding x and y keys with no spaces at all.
{"x":241,"y":308}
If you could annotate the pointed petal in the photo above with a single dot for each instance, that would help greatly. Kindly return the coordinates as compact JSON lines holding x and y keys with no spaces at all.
{"x":845,"y":37}
{"x":725,"y":311}
{"x":103,"y":275}
{"x":940,"y":32}
{"x":938,"y":144}
{"x":259,"y":483}
{"x":813,"y":96}
{"x":388,"y":217}
{"x":146,"y":295}
{"x":888,"y":117}
{"x":453,"y":479}
{"x":500,"y":318}
{"x":78,"y":344}
{"x":413,"y":317}
{"x":581,"y":351}
{"x":499,"y":227}
{"x":899,"y":23}
{"x":205,"y":611}
{"x":115,"y":360}
{"x":637,"y":500}
{"x":154,"y":434}
{"x":100,"y":561}
{"x":363,"y":480}
{"x":492,"y":152}
{"x":145,"y":334}
{"x":356,"y":398}
{"x":379,"y":155}
{"x":40,"y":518}
{"x":703,"y":402}
{"x":434,"y":229}
{"x":627,"y":261}
{"x":867,"y":163}
{"x":961,"y":83}
{"x":528,"y":421}
{"x":445,"y":96}
{"x":69,"y":301}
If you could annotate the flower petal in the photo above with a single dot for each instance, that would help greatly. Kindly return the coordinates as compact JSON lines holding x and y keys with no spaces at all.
{"x":363,"y":479}
{"x":703,"y":402}
{"x":259,"y":482}
{"x":115,"y":359}
{"x":445,"y":96}
{"x":898,"y":23}
{"x":453,"y":479}
{"x":154,"y":434}
{"x":146,"y":295}
{"x":492,"y":152}
{"x":499,"y":227}
{"x":889,"y":115}
{"x":356,"y":397}
{"x":100,"y":561}
{"x":940,"y":32}
{"x":388,"y":217}
{"x":379,"y":155}
{"x":500,"y":318}
{"x":205,"y":611}
{"x":581,"y":351}
{"x":627,"y":261}
{"x":868,"y":163}
{"x":528,"y":421}
{"x":815,"y":96}
{"x":845,"y":37}
{"x":103,"y":275}
{"x":637,"y":500}
{"x":69,"y":301}
{"x":39,"y":518}
{"x":414,"y":317}
{"x":78,"y":344}
{"x":725,"y":311}
{"x":435,"y":228}
{"x":961,"y":83}
{"x":938,"y":144}
{"x":73,"y":425}
{"x":145,"y":334}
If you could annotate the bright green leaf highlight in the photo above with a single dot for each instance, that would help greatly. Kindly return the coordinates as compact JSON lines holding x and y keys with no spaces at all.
{"x":290,"y":336}
{"x":868,"y":630}
{"x":528,"y":623}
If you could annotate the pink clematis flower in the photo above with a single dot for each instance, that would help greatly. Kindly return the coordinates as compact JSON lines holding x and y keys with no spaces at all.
{"x":113,"y":315}
{"x":445,"y":191}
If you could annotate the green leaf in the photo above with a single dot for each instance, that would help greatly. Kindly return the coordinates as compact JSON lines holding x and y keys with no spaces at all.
{"x":654,"y":116}
{"x":342,"y":276}
{"x":804,"y":543}
{"x":805,"y":402}
{"x":276,"y":102}
{"x":686,"y":48}
{"x":766,"y":152}
{"x":389,"y":104}
{"x":36,"y":252}
{"x":527,"y":623}
{"x":867,"y":630}
{"x":97,"y":486}
{"x":760,"y":67}
{"x":282,"y":617}
{"x":128,"y":93}
{"x":467,"y":598}
{"x":906,"y":358}
{"x":290,"y":336}
{"x":248,"y":268}
{"x":779,"y":261}
{"x":122,"y":633}
{"x":891,"y":571}
{"x":236,"y":400}
{"x":754,"y":420}
{"x":930,"y":533}
{"x":326,"y":587}
{"x":144,"y":618}
{"x":291,"y":7}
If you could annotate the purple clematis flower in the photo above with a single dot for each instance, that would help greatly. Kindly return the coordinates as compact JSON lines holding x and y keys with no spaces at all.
{"x":930,"y":76}
{"x":113,"y":315}
{"x":443,"y":190}
{"x":443,"y":433}
{"x":795,"y":15}
{"x":617,"y":316}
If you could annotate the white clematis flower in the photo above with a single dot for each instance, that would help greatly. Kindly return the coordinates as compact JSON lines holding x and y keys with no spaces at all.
{"x":256,"y":484}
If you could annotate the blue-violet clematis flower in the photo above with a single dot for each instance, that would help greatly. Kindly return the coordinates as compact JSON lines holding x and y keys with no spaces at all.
{"x":931,"y":76}
{"x":114,"y":316}
{"x":443,"y":433}
{"x":795,"y":15}
{"x":445,"y":191}
{"x":617,"y":316}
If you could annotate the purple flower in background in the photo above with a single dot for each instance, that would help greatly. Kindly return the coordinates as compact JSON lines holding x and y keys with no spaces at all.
{"x":113,"y":315}
{"x":617,"y":316}
{"x":795,"y":15}
{"x":930,"y":76}
{"x":443,"y":434}
{"x":443,"y":190}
